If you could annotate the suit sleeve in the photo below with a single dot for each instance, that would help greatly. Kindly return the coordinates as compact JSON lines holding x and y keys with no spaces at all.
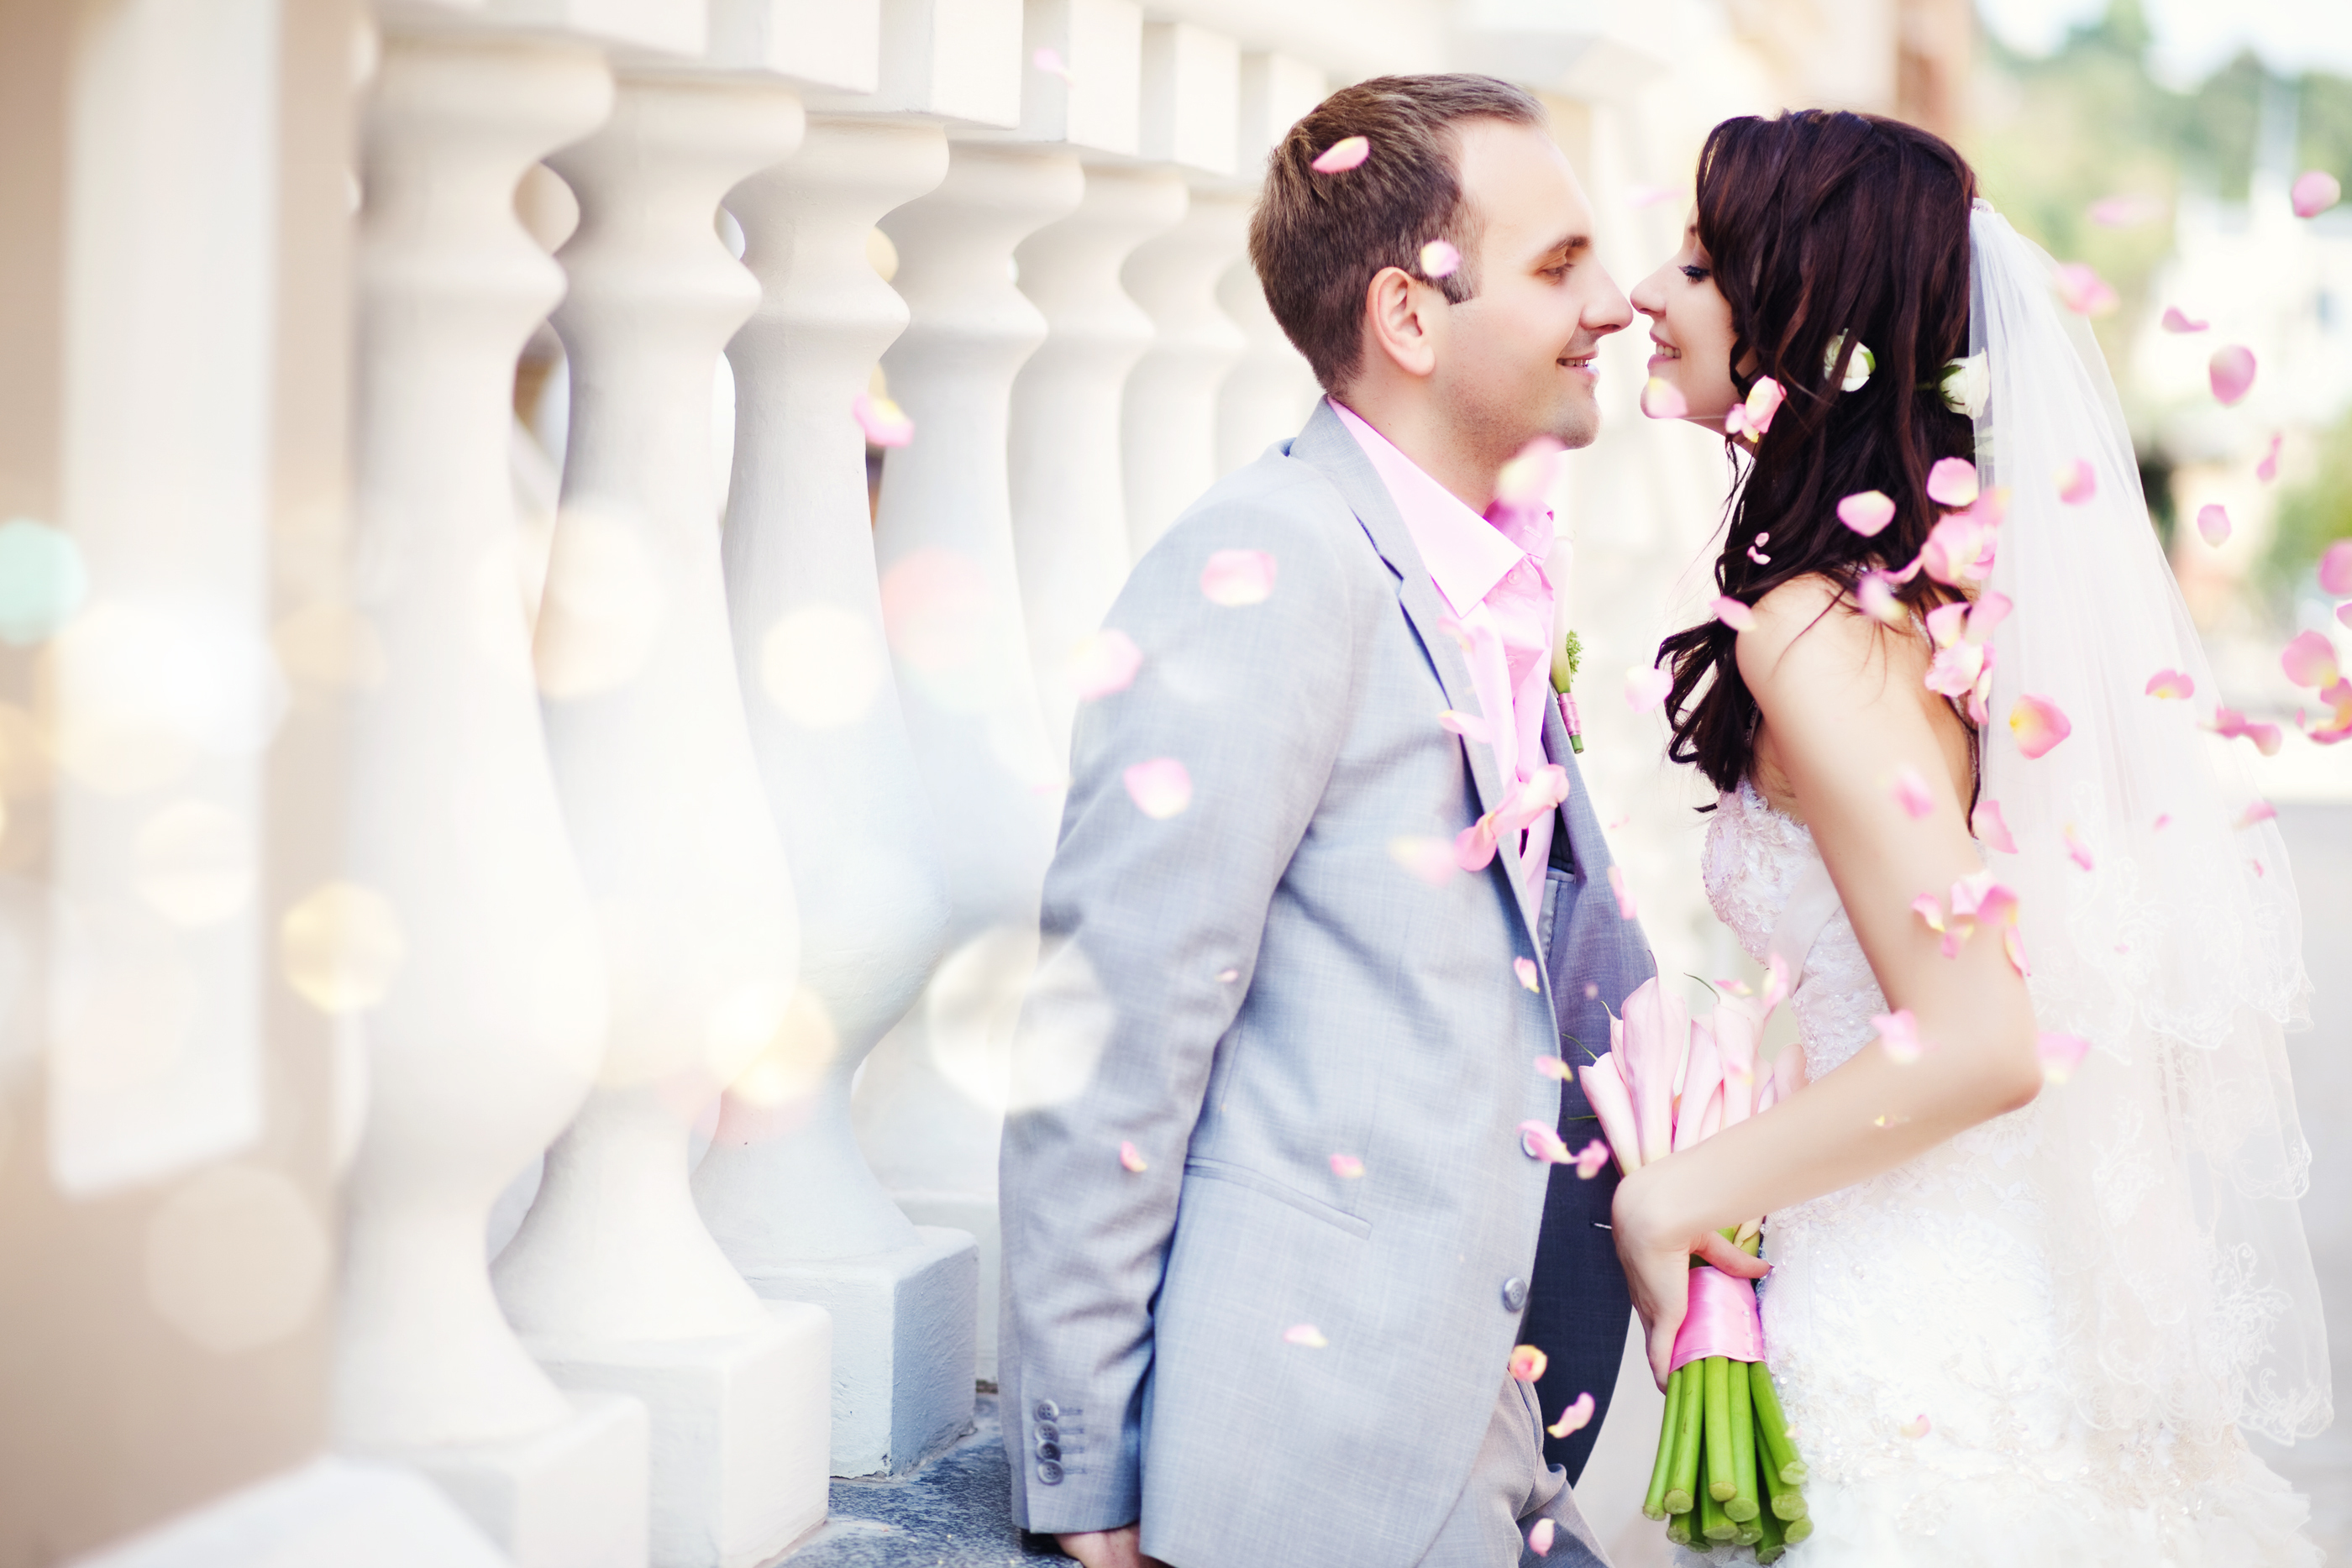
{"x":1151,"y":922}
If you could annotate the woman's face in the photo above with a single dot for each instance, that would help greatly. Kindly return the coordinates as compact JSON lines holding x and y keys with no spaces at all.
{"x":1690,"y":326}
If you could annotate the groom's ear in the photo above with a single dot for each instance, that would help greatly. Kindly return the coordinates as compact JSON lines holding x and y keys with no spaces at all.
{"x":1401,"y":323}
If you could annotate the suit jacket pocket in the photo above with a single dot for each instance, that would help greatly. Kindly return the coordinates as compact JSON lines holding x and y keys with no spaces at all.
{"x":1281,"y":1192}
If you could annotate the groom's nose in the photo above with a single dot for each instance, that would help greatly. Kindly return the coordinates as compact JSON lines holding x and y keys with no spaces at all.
{"x":1607,"y":310}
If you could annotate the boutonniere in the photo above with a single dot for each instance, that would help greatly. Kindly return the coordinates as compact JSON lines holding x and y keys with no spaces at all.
{"x":1564,"y":660}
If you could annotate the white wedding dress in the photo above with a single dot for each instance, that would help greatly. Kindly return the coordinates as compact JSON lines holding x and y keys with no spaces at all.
{"x":1914,"y":1325}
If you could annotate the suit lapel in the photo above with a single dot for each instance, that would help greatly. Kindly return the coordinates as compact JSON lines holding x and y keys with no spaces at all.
{"x":1585,"y":844}
{"x":1326,"y":445}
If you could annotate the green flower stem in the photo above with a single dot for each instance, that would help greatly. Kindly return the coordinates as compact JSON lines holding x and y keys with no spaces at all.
{"x":1748,"y":1532}
{"x":1775,"y":1538}
{"x":1741,"y":1505}
{"x":1720,"y":1486}
{"x":1682,"y":1487}
{"x":1798,"y":1529}
{"x":1654,"y":1504}
{"x":1712,"y":1524}
{"x":1773,"y":1426}
{"x":1679,"y":1528}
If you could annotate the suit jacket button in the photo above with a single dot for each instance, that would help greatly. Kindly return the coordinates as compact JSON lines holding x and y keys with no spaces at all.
{"x":1048,"y":1433}
{"x":1048,"y":1411}
{"x":1049,"y":1472}
{"x":1049,"y":1450}
{"x":1514,"y":1294}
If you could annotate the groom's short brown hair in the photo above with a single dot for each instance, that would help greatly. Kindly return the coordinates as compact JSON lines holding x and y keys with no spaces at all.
{"x":1318,"y":240}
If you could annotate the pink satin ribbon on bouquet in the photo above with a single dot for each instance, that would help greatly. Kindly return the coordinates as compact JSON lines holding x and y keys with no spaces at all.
{"x":1722,"y":1320}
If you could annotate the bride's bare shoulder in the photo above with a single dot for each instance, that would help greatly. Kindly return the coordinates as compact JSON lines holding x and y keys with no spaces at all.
{"x":1808,"y":630}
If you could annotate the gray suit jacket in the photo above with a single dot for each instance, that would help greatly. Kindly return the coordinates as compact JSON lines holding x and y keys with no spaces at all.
{"x":1242,"y":992}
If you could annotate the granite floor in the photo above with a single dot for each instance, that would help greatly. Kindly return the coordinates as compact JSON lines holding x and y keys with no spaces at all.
{"x":949,"y":1512}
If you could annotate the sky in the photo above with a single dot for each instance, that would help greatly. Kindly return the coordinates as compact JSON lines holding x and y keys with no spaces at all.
{"x":2195,"y":37}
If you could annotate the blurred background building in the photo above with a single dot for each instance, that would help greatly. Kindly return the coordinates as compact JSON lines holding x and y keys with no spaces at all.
{"x":415,"y":812}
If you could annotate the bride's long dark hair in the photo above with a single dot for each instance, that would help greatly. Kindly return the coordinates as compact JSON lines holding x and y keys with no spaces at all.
{"x":1818,"y":223}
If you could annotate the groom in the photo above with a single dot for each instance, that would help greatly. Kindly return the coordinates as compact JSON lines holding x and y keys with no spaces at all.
{"x":1270,"y":1230}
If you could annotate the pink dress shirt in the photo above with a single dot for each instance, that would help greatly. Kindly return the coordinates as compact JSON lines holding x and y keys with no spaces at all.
{"x":1491,"y":576}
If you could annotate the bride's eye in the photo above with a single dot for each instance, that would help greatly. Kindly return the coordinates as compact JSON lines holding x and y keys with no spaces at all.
{"x":1695,"y":274}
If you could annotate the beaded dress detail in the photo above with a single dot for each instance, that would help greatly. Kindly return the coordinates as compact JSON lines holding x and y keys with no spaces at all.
{"x":1913,"y":1329}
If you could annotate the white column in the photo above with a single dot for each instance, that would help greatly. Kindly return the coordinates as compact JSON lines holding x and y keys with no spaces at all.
{"x":931,"y":1107}
{"x":785,"y":1188}
{"x":1270,"y":391}
{"x":613,"y":1279}
{"x":1070,"y":533}
{"x":487,"y":1038}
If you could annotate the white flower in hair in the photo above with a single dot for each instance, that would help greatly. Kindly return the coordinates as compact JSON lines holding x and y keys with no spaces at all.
{"x":1966,"y":384}
{"x":1857,"y":370}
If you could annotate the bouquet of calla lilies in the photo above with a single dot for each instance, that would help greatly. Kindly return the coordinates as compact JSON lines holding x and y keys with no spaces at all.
{"x":1727,"y":1473}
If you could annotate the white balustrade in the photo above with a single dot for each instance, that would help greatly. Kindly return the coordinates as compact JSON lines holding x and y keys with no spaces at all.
{"x":931,"y":1107}
{"x":785,"y":1188}
{"x":489,"y":1036}
{"x":613,"y":1279}
{"x":1271,"y":389}
{"x":1069,"y":500}
{"x":1168,"y":422}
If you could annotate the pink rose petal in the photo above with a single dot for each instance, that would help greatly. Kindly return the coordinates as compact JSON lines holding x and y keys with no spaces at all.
{"x":1911,"y":792}
{"x":1918,"y":1427}
{"x":1575,"y":1419}
{"x":1866,"y":512}
{"x":1554,"y":1068}
{"x":1931,"y":910}
{"x":1625,"y":910}
{"x":1898,"y":1036}
{"x":2344,"y":614}
{"x":2213,"y":522}
{"x":2125,"y":212}
{"x":1526,"y":479}
{"x":1428,"y":859}
{"x":1237,"y":576}
{"x":1591,"y":1159}
{"x":2231,"y":371}
{"x":1131,"y":1159}
{"x":2038,"y":725}
{"x":1160,"y":788}
{"x":1528,"y":1363}
{"x":2172,"y":685}
{"x":2232,"y":725}
{"x":1733,"y":614}
{"x":1647,"y":687}
{"x":1306,"y":1334}
{"x":2076,"y":850}
{"x":2174,"y":321}
{"x":2061,"y":1054}
{"x":1468,"y":726}
{"x":1347,"y":1167}
{"x":1986,"y":822}
{"x":2266,"y":470}
{"x":1539,"y":1538}
{"x":2310,"y":661}
{"x":1663,"y":400}
{"x":1764,"y":400}
{"x":1524,"y":968}
{"x":1049,"y":61}
{"x":1538,"y":1142}
{"x":1439,"y":259}
{"x":2336,"y":569}
{"x":1342,"y":155}
{"x":2260,"y":811}
{"x":2083,"y":290}
{"x":2314,"y":192}
{"x":884,"y":422}
{"x":1952,"y":482}
{"x":1473,"y":846}
{"x":1650,"y":196}
{"x":2077,"y":483}
{"x":1102,"y":663}
{"x":1875,"y":592}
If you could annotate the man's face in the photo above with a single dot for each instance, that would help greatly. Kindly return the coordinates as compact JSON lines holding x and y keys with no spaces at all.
{"x":1517,"y":359}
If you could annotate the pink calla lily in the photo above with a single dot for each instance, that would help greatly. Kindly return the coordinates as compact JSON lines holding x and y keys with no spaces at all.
{"x":1605,"y":1089}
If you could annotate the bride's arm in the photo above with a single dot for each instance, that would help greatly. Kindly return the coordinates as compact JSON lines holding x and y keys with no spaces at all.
{"x":1843,"y":708}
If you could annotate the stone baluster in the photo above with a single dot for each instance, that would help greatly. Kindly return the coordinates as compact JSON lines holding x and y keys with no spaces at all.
{"x":1270,"y":390}
{"x":1070,"y":499}
{"x":1192,"y":84}
{"x":488,"y":1037}
{"x":613,"y":1279}
{"x":785,"y":1188}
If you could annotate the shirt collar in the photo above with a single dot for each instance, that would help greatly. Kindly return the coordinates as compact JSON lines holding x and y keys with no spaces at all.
{"x":1465,"y":554}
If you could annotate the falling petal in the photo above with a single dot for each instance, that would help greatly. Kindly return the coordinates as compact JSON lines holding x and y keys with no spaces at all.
{"x":2173,"y":684}
{"x":2213,"y":522}
{"x":2266,"y":470}
{"x":1049,"y":61}
{"x":1625,"y":910}
{"x":1552,"y":1067}
{"x":1911,"y":791}
{"x":1347,"y":1167}
{"x":1102,"y":663}
{"x":2061,"y":1055}
{"x":1237,"y":576}
{"x":2077,"y":483}
{"x":1898,"y":1036}
{"x":1160,"y":788}
{"x":2260,"y":811}
{"x":1527,"y":478}
{"x":1540,"y":1538}
{"x":1734,"y":614}
{"x":1647,"y":687}
{"x":2314,"y":192}
{"x":884,"y":422}
{"x":1428,"y":859}
{"x":1764,"y":400}
{"x":2038,"y":725}
{"x":1650,"y":196}
{"x":2013,"y":945}
{"x":1661,"y":399}
{"x":1866,"y":512}
{"x":2336,"y":569}
{"x":1468,"y":726}
{"x":2344,"y":614}
{"x":2310,"y":661}
{"x":1591,"y":1159}
{"x":2125,"y":212}
{"x":1524,"y":968}
{"x":1132,"y":1159}
{"x":2083,"y":290}
{"x":1875,"y":592}
{"x":2231,"y":371}
{"x":1342,"y":155}
{"x":2163,"y":821}
{"x":2076,"y":850}
{"x":1986,"y":823}
{"x":1538,"y":1142}
{"x":1952,"y":482}
{"x":1439,"y":259}
{"x":1930,"y":908}
{"x":2175,"y":321}
{"x":1918,"y":1427}
{"x":1473,"y":846}
{"x":1227,"y":977}
{"x":1306,"y":1334}
{"x":1528,"y":1363}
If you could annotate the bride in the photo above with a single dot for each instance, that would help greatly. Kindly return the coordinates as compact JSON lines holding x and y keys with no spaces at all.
{"x":2037,"y":1266}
